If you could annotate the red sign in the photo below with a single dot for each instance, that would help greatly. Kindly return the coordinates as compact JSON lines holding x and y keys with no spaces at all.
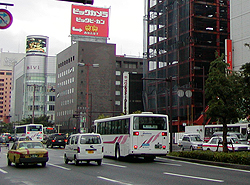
{"x":89,"y":21}
{"x":229,"y":56}
{"x":5,"y":19}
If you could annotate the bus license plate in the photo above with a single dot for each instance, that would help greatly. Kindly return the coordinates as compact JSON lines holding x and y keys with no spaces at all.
{"x":90,"y":151}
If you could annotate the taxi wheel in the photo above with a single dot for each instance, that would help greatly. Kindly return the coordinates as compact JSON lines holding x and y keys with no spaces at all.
{"x":99,"y":162}
{"x":43,"y":164}
{"x":66,"y":160}
{"x":76,"y":162}
{"x":9,"y":162}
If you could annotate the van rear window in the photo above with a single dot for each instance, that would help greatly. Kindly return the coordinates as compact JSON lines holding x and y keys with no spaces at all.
{"x":90,"y":140}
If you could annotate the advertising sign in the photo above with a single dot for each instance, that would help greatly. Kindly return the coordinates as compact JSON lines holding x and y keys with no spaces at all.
{"x":36,"y":44}
{"x":125,"y":98}
{"x":228,"y":48}
{"x":89,"y":21}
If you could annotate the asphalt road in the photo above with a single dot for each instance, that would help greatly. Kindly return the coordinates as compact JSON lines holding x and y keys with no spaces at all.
{"x":136,"y":172}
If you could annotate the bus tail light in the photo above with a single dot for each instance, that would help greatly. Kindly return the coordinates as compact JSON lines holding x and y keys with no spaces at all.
{"x":164,"y":133}
{"x":164,"y":146}
{"x":136,"y":133}
{"x":28,"y":132}
{"x":78,"y":149}
{"x":40,"y":132}
{"x":135,"y":146}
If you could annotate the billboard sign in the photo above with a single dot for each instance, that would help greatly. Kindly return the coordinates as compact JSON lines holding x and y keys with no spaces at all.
{"x":89,"y":21}
{"x":229,"y":51}
{"x":125,"y":98}
{"x":36,"y":44}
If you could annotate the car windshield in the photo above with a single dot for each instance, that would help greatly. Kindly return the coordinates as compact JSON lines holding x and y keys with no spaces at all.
{"x":195,"y":138}
{"x":26,"y":145}
{"x":234,"y":140}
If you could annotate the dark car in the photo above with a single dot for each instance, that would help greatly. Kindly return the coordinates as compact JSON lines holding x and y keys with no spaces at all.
{"x":56,"y":140}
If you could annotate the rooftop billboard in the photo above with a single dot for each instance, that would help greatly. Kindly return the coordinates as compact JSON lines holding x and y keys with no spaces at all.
{"x":89,"y":21}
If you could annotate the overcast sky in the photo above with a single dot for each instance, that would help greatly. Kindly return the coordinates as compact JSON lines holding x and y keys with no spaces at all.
{"x":52,"y":18}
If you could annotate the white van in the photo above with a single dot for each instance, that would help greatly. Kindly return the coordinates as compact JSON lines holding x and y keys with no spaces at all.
{"x":84,"y":147}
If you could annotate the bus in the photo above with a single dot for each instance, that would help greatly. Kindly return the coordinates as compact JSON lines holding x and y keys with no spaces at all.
{"x":138,"y":135}
{"x":33,"y":131}
{"x":243,"y":128}
{"x":47,"y":131}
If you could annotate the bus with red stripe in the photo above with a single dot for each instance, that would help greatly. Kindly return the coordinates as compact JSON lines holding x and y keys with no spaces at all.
{"x":32,"y":131}
{"x":138,"y":135}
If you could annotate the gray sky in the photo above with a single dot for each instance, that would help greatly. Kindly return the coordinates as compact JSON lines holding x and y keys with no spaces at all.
{"x":52,"y":18}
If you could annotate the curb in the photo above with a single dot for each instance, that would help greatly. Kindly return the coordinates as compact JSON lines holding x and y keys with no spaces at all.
{"x":229,"y":165}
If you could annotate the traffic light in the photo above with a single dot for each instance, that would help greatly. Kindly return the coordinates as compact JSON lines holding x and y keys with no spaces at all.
{"x":80,"y":1}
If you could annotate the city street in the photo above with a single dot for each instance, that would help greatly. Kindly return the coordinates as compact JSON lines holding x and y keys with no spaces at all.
{"x":161,"y":171}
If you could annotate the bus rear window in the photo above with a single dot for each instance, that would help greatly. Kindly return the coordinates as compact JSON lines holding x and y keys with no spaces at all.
{"x":149,"y":123}
{"x":35,"y":128}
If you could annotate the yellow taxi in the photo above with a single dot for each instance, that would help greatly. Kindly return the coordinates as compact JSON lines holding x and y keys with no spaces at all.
{"x":27,"y":152}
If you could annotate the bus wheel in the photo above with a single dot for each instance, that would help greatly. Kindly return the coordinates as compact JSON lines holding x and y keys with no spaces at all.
{"x":117,"y":152}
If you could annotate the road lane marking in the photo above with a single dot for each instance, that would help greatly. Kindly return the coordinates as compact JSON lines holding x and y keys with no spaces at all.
{"x":211,"y":166}
{"x":116,"y":165}
{"x":169,"y":164}
{"x":3,"y":171}
{"x":112,"y":180}
{"x":64,"y":168}
{"x":193,"y":177}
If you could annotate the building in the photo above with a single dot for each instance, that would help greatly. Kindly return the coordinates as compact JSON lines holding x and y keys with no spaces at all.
{"x":33,"y":90}
{"x":90,"y":82}
{"x":7,"y":61}
{"x":239,"y":25}
{"x":181,"y":40}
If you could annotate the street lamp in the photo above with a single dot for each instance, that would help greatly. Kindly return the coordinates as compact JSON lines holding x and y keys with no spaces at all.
{"x":203,"y":90}
{"x":87,"y":90}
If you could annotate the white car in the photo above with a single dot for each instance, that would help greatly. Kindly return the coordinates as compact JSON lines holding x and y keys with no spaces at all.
{"x":235,"y":145}
{"x":191,"y":142}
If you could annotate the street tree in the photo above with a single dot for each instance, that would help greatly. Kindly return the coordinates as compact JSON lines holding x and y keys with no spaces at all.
{"x":44,"y":120}
{"x":223,"y":90}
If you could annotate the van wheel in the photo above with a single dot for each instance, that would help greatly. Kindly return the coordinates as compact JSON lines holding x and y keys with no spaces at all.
{"x":66,"y":160}
{"x":191,"y":148}
{"x":76,"y":162}
{"x":99,"y":162}
{"x":117,"y":152}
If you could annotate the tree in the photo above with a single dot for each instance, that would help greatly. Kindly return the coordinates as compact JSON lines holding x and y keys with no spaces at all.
{"x":223,"y":90}
{"x":245,"y":76}
{"x":44,"y":120}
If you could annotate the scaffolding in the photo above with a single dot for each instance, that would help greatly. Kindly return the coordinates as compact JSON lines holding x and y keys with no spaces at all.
{"x":181,"y":39}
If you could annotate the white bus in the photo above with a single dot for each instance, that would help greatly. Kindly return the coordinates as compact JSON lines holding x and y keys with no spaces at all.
{"x":33,"y":131}
{"x":145,"y":135}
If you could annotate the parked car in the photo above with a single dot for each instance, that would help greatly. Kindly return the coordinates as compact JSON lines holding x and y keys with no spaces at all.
{"x":27,"y":152}
{"x":84,"y":147}
{"x":187,"y":134}
{"x":239,"y":135}
{"x":56,"y":140}
{"x":234,"y":144}
{"x":192,"y":142}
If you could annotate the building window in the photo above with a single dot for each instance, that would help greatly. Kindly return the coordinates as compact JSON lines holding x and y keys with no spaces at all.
{"x":118,"y":64}
{"x":51,"y":107}
{"x":51,"y":98}
{"x":117,"y":93}
{"x":131,"y":65}
{"x":117,"y":103}
{"x":118,"y":73}
{"x":117,"y":82}
{"x":8,"y":73}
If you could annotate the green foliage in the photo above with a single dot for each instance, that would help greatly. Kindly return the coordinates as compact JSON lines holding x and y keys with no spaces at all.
{"x":137,"y":112}
{"x":101,"y":116}
{"x":44,"y":120}
{"x":232,"y":157}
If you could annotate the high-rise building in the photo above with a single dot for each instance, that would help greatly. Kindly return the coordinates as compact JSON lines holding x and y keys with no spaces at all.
{"x":33,"y":93}
{"x":181,"y":40}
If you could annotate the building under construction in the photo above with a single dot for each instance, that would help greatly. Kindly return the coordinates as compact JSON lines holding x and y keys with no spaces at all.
{"x":180,"y":42}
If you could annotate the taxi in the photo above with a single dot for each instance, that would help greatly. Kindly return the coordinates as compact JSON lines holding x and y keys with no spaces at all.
{"x":27,"y":152}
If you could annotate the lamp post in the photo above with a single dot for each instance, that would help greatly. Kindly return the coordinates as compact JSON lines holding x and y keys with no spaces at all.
{"x":87,"y":89}
{"x":203,"y":90}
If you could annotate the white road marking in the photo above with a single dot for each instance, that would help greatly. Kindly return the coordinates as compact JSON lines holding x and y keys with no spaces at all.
{"x":3,"y":171}
{"x":64,"y":168}
{"x":211,"y":166}
{"x":112,"y":180}
{"x":170,"y":164}
{"x":116,"y":165}
{"x":193,"y":177}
